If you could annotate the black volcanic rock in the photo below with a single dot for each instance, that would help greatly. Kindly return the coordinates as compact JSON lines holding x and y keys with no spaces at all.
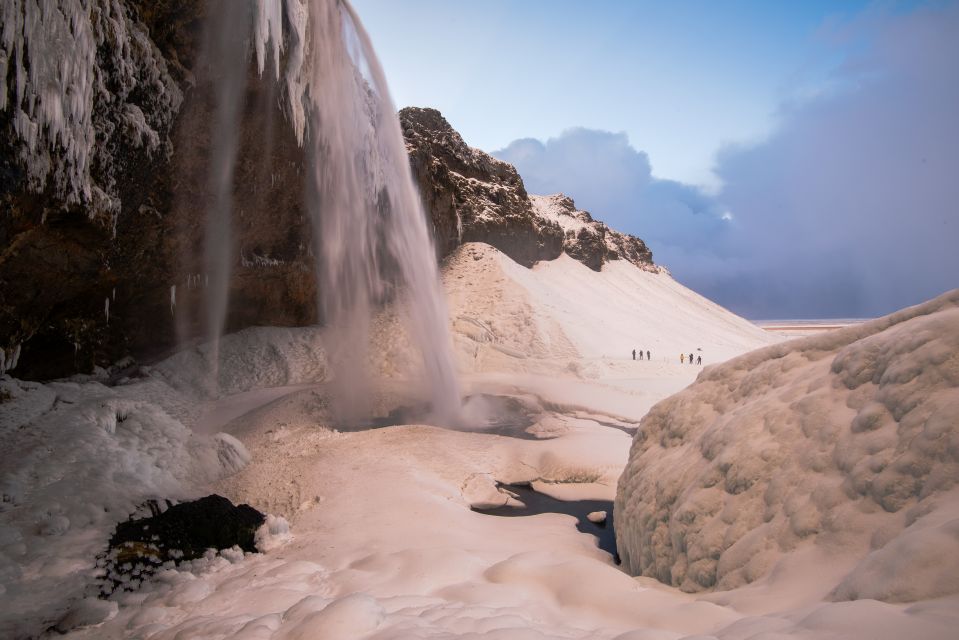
{"x":183,"y":532}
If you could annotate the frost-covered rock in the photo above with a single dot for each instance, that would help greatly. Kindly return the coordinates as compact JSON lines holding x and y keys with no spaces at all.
{"x":105,"y":127}
{"x":847,"y":440}
{"x":86,"y":80}
{"x":587,"y":240}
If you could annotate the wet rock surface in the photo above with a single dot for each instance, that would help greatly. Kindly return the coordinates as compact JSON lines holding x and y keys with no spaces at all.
{"x":183,"y":532}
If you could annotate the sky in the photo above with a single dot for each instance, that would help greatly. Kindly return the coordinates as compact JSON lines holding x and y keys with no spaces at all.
{"x":785,"y":159}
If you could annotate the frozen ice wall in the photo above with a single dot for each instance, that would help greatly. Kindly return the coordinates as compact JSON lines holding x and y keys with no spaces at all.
{"x":846,"y":441}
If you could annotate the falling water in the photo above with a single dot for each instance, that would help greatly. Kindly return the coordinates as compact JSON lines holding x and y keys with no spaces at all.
{"x":370,"y":231}
{"x":227,"y":45}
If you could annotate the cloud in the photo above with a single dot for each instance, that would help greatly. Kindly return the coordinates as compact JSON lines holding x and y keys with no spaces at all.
{"x":849,"y":208}
{"x":605,"y":175}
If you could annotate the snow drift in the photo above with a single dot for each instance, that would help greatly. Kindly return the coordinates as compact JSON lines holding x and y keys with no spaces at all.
{"x":847,"y":442}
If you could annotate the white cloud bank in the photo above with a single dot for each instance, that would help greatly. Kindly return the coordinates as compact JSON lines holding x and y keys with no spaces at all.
{"x":850,"y":208}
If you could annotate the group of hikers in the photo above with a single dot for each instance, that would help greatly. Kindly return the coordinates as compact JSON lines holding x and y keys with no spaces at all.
{"x":682,"y":357}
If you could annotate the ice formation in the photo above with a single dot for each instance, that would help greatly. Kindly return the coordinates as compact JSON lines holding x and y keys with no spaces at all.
{"x":847,"y":442}
{"x":85,"y":79}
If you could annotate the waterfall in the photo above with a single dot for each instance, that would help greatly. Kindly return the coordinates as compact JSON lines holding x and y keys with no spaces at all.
{"x":227,"y":50}
{"x":371,"y":239}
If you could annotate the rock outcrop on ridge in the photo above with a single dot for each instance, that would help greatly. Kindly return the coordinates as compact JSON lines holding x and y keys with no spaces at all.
{"x":474,"y":197}
{"x":587,"y":240}
{"x":471,"y":196}
{"x":103,"y":196}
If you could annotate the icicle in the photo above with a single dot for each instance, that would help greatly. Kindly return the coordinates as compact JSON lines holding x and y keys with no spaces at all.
{"x":268,"y":30}
{"x":106,"y":309}
{"x":15,"y":358}
{"x":172,"y":298}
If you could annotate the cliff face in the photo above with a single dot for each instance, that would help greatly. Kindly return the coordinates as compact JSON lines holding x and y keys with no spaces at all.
{"x":103,"y":196}
{"x":104,"y":188}
{"x":473,"y":197}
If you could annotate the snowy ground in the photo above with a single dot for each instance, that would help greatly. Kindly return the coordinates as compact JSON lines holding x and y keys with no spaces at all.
{"x":383,"y":542}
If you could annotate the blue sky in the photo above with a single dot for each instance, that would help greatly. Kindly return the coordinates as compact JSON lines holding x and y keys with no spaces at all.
{"x":680,"y":78}
{"x":786,"y":159}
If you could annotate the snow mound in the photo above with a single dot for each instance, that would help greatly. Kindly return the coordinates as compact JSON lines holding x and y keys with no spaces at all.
{"x":74,"y":460}
{"x":256,"y":357}
{"x":847,"y":441}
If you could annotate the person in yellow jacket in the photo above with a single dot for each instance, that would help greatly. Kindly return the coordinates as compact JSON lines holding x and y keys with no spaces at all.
{"x":682,"y":358}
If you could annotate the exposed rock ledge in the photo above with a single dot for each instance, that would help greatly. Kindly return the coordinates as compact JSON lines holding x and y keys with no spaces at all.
{"x":473,"y":197}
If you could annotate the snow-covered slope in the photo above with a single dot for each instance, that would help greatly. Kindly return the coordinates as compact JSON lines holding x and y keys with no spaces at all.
{"x":563,"y":320}
{"x":843,"y":447}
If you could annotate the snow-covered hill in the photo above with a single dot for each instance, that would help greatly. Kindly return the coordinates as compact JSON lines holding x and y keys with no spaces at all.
{"x":561,"y":322}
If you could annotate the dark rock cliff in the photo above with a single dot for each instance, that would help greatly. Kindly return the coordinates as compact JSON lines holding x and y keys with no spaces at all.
{"x":473,"y":197}
{"x":102,"y":208}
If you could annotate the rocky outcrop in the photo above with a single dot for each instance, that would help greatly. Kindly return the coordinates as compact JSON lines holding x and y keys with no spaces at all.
{"x":471,"y":196}
{"x":587,"y":240}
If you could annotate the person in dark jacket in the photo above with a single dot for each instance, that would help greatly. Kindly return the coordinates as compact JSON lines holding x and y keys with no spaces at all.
{"x":634,"y":354}
{"x":648,"y":357}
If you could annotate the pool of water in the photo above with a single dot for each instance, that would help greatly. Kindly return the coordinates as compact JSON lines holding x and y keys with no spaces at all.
{"x":537,"y":503}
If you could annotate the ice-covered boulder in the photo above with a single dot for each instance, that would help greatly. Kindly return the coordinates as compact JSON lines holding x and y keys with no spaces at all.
{"x":847,"y":440}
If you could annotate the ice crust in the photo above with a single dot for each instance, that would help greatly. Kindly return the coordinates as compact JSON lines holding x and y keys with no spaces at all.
{"x":847,"y":441}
